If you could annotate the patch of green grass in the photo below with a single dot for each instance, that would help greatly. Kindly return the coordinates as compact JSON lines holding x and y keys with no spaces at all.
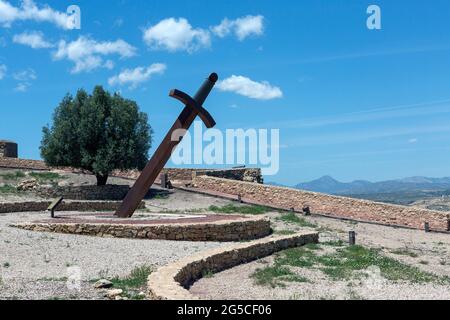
{"x":13,"y":176}
{"x":296,"y":257}
{"x":405,"y":252}
{"x":8,"y":189}
{"x":344,"y":263}
{"x":275,"y":276}
{"x":350,"y":262}
{"x":284,"y":232}
{"x":312,"y":246}
{"x":230,"y":208}
{"x":334,"y":243}
{"x":134,"y":282}
{"x":424,"y":262}
{"x":45,"y":176}
{"x":293,"y":218}
{"x":6,"y":265}
{"x":208,"y":274}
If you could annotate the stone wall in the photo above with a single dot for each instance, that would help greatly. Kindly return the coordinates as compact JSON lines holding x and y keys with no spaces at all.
{"x":8,"y":149}
{"x":222,"y":231}
{"x":241,"y":174}
{"x":172,"y":281}
{"x":339,"y":207}
{"x":38,"y":206}
{"x":185,"y":175}
{"x":176,"y":175}
{"x":108,"y":192}
{"x":12,"y":163}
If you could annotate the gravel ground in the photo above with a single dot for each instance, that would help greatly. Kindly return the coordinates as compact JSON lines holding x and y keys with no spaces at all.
{"x":429,"y":252}
{"x":36,"y":265}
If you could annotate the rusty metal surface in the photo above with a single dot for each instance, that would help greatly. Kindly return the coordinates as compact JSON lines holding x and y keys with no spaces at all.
{"x":193,"y":108}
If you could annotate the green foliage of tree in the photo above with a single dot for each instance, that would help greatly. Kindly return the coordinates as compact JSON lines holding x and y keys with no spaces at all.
{"x":99,"y":133}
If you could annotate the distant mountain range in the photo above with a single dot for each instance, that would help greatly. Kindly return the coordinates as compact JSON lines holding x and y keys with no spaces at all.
{"x":330,"y":185}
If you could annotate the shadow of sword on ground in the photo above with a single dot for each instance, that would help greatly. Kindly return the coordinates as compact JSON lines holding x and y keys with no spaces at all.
{"x":193,"y":108}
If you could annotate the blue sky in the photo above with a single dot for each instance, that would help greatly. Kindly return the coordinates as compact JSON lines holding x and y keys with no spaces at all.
{"x":350,"y":102}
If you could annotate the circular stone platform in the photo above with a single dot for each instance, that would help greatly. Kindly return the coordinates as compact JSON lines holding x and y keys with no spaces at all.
{"x":179,"y":227}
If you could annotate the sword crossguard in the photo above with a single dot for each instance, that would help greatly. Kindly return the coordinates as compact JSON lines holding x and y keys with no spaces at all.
{"x":191,"y":103}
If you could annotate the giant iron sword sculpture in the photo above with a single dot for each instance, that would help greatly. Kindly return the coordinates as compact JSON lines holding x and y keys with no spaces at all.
{"x":193,"y":108}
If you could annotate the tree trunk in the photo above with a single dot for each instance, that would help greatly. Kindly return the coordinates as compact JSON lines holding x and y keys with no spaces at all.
{"x":101,"y":179}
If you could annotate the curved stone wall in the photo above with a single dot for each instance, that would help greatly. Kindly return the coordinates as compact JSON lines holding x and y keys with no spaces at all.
{"x":171,"y":282}
{"x":36,"y":206}
{"x":221,"y":231}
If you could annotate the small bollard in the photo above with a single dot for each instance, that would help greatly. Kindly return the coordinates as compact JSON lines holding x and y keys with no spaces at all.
{"x":292,"y":209}
{"x":352,"y":238}
{"x":240,"y":198}
{"x":163,"y":178}
{"x":306,"y":211}
{"x":427,"y":227}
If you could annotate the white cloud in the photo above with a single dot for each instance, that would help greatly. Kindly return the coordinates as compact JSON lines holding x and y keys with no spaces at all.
{"x":25,"y":75}
{"x":242,"y":27}
{"x":3,"y":70}
{"x":134,"y":77}
{"x":32,"y":39}
{"x":176,"y":35}
{"x":87,"y":54}
{"x":28,"y":10}
{"x":24,"y":79}
{"x":413,"y":140}
{"x":249,"y":88}
{"x":22,"y":87}
{"x":118,"y":23}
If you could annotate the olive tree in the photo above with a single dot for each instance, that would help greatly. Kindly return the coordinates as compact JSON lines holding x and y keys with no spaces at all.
{"x":99,"y":133}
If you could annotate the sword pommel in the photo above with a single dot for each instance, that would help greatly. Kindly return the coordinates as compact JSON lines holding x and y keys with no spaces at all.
{"x":213,"y":77}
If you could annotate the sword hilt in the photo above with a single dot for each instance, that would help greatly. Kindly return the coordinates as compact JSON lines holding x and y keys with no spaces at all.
{"x":205,"y":89}
{"x":196,"y":103}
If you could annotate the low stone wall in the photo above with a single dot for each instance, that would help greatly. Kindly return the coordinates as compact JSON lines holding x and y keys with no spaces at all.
{"x":176,"y":175}
{"x":12,"y":163}
{"x":223,"y":231}
{"x":172,"y":281}
{"x":186,"y":175}
{"x":107,"y":192}
{"x":36,"y":206}
{"x":240,"y":174}
{"x":340,"y":207}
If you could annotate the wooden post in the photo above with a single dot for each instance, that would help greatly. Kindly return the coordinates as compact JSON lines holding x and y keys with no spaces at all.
{"x":52,"y":207}
{"x":352,"y":238}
